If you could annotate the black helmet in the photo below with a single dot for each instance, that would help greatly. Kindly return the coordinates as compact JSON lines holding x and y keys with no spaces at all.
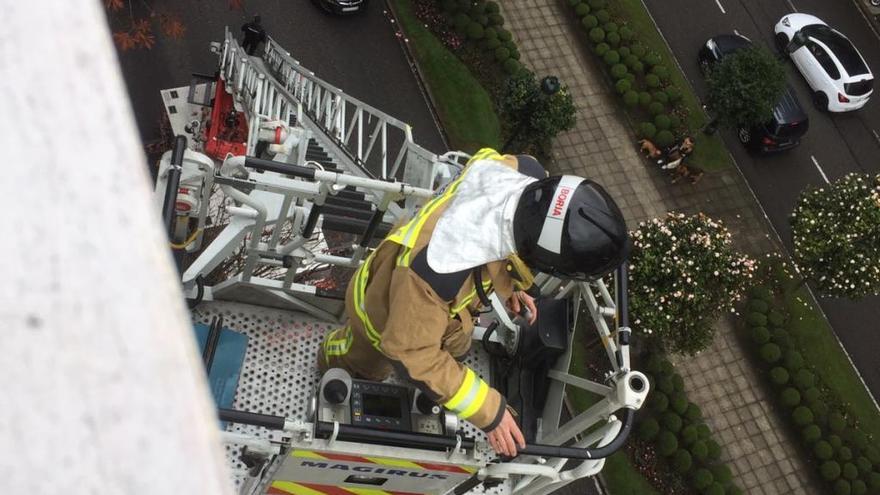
{"x":569,"y":227}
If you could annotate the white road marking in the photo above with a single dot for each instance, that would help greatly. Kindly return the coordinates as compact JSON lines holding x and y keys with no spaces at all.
{"x":720,"y":6}
{"x":876,"y":136}
{"x":816,"y":163}
{"x":791,"y":5}
{"x":736,"y":32}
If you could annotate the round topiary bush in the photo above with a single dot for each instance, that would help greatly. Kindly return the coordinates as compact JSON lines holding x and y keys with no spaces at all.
{"x":703,"y":431}
{"x":483,"y":19}
{"x":648,"y":429}
{"x":781,"y":338}
{"x":758,"y":306}
{"x":770,"y":353}
{"x":850,"y":471}
{"x":836,"y":422}
{"x":790,"y":397}
{"x":655,"y":108}
{"x":631,"y":99}
{"x":776,"y":318}
{"x":611,"y":57}
{"x":864,"y":465}
{"x":713,"y":450}
{"x":652,"y":81}
{"x":820,"y":411}
{"x":589,"y":22}
{"x":676,"y":121}
{"x":647,"y":130}
{"x":652,"y":59}
{"x":661,"y":71}
{"x":678,"y":383}
{"x":835,"y":441}
{"x":701,"y":479}
{"x":756,"y":320}
{"x":610,"y":27}
{"x":626,"y":33}
{"x":660,"y":96}
{"x":760,"y":336}
{"x":682,"y":461}
{"x":667,"y":444}
{"x":475,"y":31}
{"x":664,"y":384}
{"x":733,"y":490}
{"x":721,"y":473}
{"x":802,"y":416}
{"x":582,"y":9}
{"x":601,"y":49}
{"x":492,"y":44}
{"x":629,"y":60}
{"x":597,"y":4}
{"x":502,"y":54}
{"x":504,"y":35}
{"x":812,"y":434}
{"x":461,"y":21}
{"x":874,"y":481}
{"x":693,"y":413}
{"x":804,"y":379}
{"x":493,"y":8}
{"x":645,"y":99}
{"x":700,"y":451}
{"x":679,"y":403}
{"x":603,"y":16}
{"x":613,"y":39}
{"x":664,"y":138}
{"x":512,"y":66}
{"x":830,"y":470}
{"x":496,"y":20}
{"x":842,"y":487}
{"x":597,"y":35}
{"x":844,"y":454}
{"x":671,"y":421}
{"x":490,"y":33}
{"x":623,"y":85}
{"x":514,"y":52}
{"x":688,"y":435}
{"x":823,"y":450}
{"x":859,"y":487}
{"x":624,"y":52}
{"x":715,"y":488}
{"x":793,"y":360}
{"x":872,"y":452}
{"x":778,"y":375}
{"x":638,"y":67}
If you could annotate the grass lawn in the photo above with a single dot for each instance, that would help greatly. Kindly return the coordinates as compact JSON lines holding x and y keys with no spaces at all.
{"x":820,"y":348}
{"x":463,"y":106}
{"x":710,"y":152}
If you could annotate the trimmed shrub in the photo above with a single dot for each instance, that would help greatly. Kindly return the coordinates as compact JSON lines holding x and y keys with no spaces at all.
{"x":639,"y":50}
{"x":483,"y":19}
{"x":492,"y":44}
{"x":756,"y":320}
{"x":624,"y":52}
{"x":514,"y":52}
{"x":619,"y":72}
{"x":676,"y":121}
{"x":823,"y":450}
{"x":597,"y":4}
{"x":850,"y":471}
{"x":461,"y":21}
{"x":647,"y":130}
{"x":715,"y":488}
{"x":811,"y":434}
{"x":496,"y":20}
{"x":623,"y":85}
{"x":761,"y":292}
{"x":802,"y":416}
{"x":781,"y":337}
{"x":630,"y":60}
{"x":667,"y":444}
{"x":601,"y":49}
{"x":652,"y":81}
{"x":613,"y":39}
{"x":733,"y":490}
{"x":693,"y":413}
{"x":504,"y":35}
{"x":475,"y":31}
{"x":758,"y":306}
{"x":793,"y":360}
{"x":652,"y":59}
{"x":859,"y":487}
{"x":610,"y":27}
{"x":778,"y":374}
{"x":864,"y":465}
{"x":664,"y":384}
{"x":679,"y":403}
{"x":582,"y":9}
{"x":638,"y":67}
{"x":664,"y":138}
{"x":589,"y":22}
{"x":702,"y":478}
{"x":490,"y":33}
{"x":804,"y":379}
{"x":721,"y":473}
{"x":836,"y":422}
{"x":770,"y":353}
{"x":493,"y":8}
{"x":644,"y":99}
{"x":820,"y":410}
{"x":860,"y":439}
{"x":776,"y":318}
{"x":682,"y":461}
{"x":661,"y":71}
{"x":603,"y":16}
{"x":649,"y":428}
{"x":700,"y":450}
{"x":611,"y":57}
{"x":830,"y":470}
{"x":790,"y":397}
{"x":703,"y":431}
{"x":671,"y":421}
{"x":631,"y":99}
{"x":835,"y":441}
{"x":842,"y":487}
{"x":689,"y":435}
{"x":714,"y":450}
{"x":502,"y":54}
{"x":512,"y":66}
{"x":655,"y":107}
{"x":597,"y":34}
{"x":873,"y":454}
{"x":844,"y":454}
{"x":760,"y":336}
{"x":661,"y":96}
{"x":626,"y":33}
{"x":874,"y":481}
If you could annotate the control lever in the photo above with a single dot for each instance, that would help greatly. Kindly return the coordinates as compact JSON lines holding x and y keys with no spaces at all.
{"x":335,"y":391}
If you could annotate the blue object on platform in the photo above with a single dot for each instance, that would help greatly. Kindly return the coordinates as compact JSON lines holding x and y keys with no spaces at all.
{"x":228,"y":360}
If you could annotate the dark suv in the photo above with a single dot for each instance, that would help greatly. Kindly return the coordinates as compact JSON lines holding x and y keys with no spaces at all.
{"x":342,"y":6}
{"x":789,"y":122}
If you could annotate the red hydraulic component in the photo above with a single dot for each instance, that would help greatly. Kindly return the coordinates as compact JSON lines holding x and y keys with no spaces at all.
{"x":228,"y":129}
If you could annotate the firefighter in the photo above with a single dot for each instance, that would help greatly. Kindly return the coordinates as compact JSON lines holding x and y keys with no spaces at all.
{"x":411,"y":304}
{"x":254,"y":34}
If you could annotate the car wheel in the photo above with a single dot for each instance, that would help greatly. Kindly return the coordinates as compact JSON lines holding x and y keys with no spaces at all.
{"x":820,"y":99}
{"x":782,"y":44}
{"x":744,"y":135}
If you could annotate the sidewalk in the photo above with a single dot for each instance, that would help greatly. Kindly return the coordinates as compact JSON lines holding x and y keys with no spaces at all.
{"x":602,"y":147}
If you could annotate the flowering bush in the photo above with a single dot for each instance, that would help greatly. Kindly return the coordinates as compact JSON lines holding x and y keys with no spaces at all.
{"x":836,"y":232}
{"x":683,"y":274}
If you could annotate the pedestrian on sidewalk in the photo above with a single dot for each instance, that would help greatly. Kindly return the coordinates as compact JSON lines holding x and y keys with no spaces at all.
{"x":254,"y":34}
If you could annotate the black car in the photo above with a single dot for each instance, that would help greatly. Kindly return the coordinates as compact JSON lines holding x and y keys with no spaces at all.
{"x":342,"y":6}
{"x":789,"y":122}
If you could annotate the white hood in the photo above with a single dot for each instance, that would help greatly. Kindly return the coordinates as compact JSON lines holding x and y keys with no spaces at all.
{"x":477,"y":228}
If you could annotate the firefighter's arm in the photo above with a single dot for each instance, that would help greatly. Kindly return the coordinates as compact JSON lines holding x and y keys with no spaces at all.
{"x":412,"y":338}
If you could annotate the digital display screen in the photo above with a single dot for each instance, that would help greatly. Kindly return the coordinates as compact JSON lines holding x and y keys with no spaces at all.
{"x":381,"y":405}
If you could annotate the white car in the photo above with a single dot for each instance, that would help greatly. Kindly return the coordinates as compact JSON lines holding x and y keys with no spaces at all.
{"x":834,"y":69}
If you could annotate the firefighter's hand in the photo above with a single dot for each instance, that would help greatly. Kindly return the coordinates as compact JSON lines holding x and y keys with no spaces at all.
{"x":520,"y":299}
{"x":507,"y":437}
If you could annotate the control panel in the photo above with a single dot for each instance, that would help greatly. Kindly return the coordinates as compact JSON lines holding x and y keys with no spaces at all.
{"x":383,"y":406}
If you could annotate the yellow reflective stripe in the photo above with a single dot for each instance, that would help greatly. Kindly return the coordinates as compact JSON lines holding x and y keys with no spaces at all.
{"x":469,"y":378}
{"x":483,"y":154}
{"x":334,"y":346}
{"x":365,"y":491}
{"x":487,"y":284}
{"x":477,"y":402}
{"x":360,"y":288}
{"x":294,"y":488}
{"x":394,"y":462}
{"x":307,"y":454}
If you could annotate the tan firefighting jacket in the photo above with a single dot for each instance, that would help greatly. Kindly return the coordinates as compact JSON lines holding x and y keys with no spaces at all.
{"x":407,"y":317}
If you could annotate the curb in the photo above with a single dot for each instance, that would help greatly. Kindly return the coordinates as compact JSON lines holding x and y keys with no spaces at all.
{"x":871,"y":15}
{"x":414,"y":66}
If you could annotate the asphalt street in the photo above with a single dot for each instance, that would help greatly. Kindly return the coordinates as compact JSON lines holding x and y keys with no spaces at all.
{"x":360,"y":54}
{"x":836,"y":144}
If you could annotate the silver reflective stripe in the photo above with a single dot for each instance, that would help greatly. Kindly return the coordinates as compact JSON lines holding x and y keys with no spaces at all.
{"x":551,"y":232}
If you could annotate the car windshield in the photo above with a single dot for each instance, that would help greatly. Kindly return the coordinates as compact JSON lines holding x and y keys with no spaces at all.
{"x":840,"y":46}
{"x":788,"y":131}
{"x":859,"y":88}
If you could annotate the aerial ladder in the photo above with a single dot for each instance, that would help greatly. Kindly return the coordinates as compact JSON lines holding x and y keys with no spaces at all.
{"x":277,"y":187}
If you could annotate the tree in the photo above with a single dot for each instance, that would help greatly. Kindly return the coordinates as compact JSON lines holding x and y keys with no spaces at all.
{"x":744,"y":87}
{"x":534,"y":116}
{"x":683,"y":274}
{"x":133,"y":24}
{"x":836,"y":231}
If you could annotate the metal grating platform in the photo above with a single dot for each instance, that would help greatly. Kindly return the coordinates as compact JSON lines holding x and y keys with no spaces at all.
{"x":279,"y":374}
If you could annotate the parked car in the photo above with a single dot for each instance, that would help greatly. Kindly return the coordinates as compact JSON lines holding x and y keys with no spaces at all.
{"x":789,"y":122}
{"x":342,"y":6}
{"x":834,"y":69}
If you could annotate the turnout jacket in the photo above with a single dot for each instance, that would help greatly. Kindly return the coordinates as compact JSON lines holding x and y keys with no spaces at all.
{"x":404,"y":316}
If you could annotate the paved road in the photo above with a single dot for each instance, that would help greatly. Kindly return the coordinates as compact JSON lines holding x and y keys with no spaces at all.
{"x":360,"y":54}
{"x":838,"y":144}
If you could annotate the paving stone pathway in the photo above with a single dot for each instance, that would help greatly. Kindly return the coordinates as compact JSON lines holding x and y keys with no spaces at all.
{"x":602,"y":147}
